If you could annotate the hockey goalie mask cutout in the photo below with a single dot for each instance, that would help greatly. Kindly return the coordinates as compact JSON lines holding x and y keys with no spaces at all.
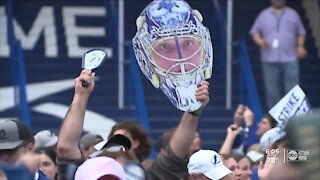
{"x":174,"y":50}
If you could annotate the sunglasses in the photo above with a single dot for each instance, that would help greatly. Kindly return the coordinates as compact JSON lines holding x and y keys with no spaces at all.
{"x":116,"y":148}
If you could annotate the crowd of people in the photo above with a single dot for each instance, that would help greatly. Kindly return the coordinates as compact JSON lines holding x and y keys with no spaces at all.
{"x":182,"y":41}
{"x":84,"y":155}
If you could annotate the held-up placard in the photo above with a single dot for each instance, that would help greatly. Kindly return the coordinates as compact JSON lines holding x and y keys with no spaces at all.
{"x":293,"y":103}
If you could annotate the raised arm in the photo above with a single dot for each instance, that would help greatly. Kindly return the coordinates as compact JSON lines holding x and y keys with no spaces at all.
{"x":185,"y":133}
{"x":72,"y":126}
{"x":232,"y":132}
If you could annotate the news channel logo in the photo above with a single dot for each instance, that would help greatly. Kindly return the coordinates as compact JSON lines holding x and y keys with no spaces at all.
{"x":297,"y":155}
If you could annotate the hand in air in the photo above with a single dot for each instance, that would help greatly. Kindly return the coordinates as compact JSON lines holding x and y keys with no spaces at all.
{"x":202,"y":93}
{"x":89,"y":77}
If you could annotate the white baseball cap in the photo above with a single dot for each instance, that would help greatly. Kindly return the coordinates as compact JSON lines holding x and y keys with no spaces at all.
{"x":270,"y":137}
{"x":208,"y":163}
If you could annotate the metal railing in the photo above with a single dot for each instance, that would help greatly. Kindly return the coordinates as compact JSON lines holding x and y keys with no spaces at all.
{"x":220,"y":26}
{"x":224,"y":49}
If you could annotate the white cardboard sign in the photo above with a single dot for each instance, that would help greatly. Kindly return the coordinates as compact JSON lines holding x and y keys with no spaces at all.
{"x":293,"y":103}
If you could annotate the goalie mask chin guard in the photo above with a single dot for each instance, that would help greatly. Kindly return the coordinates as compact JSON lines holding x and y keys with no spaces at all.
{"x":174,"y":50}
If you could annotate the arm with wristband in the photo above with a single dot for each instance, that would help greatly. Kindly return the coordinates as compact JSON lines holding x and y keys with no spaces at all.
{"x":185,"y":133}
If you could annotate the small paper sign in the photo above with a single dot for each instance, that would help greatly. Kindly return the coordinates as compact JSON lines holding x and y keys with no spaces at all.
{"x":293,"y":103}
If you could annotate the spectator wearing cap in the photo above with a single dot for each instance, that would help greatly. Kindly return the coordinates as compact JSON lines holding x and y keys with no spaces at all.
{"x":270,"y":137}
{"x":15,"y":139}
{"x":118,"y":147}
{"x":16,"y":150}
{"x":87,"y":143}
{"x":268,"y":140}
{"x":207,"y":164}
{"x":100,"y":168}
{"x":45,"y":138}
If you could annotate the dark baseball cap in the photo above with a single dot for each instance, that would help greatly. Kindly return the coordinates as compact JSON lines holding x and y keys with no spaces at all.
{"x":117,"y":139}
{"x":13,"y":133}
